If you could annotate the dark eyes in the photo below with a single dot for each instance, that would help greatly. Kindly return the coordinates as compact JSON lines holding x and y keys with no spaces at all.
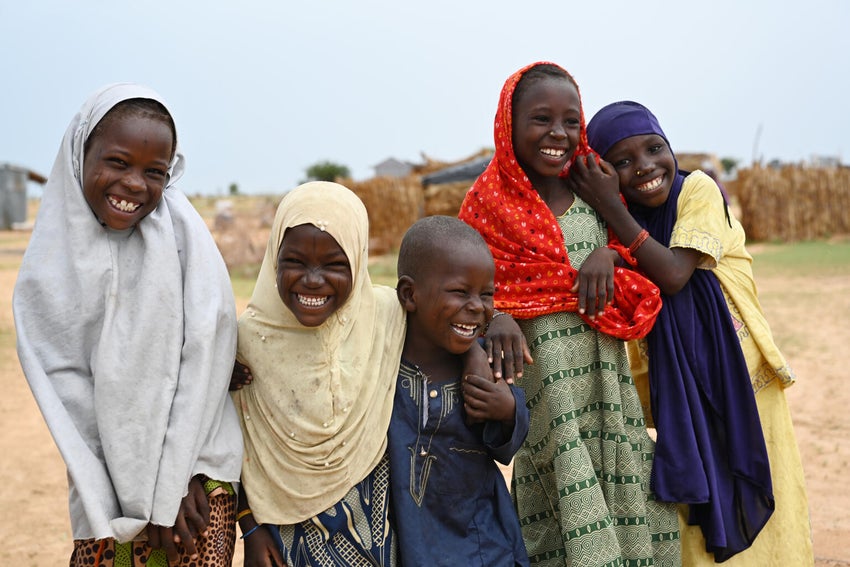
{"x":154,"y":172}
{"x":544,"y":119}
{"x":339,"y":266}
{"x":336,"y":265}
{"x":484,"y":294}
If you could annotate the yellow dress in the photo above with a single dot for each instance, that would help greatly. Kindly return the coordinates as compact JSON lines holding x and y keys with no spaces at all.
{"x":702,"y":225}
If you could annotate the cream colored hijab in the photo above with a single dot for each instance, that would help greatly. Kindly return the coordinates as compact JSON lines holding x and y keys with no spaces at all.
{"x":315,"y":417}
{"x":127,"y":339}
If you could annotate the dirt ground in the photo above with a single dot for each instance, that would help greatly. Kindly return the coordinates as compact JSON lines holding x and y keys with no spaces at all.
{"x":36,"y":531}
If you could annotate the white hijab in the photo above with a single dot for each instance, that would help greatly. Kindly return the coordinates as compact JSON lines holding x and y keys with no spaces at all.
{"x":315,"y":417}
{"x":127,"y":339}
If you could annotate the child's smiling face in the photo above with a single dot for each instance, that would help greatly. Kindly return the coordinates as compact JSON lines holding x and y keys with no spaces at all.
{"x":546,"y":127}
{"x":646,"y":168}
{"x":313,"y":274}
{"x":454,"y":298}
{"x":125,"y":169}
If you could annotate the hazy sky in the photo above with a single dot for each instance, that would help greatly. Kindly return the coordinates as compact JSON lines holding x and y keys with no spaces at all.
{"x":262,"y":89}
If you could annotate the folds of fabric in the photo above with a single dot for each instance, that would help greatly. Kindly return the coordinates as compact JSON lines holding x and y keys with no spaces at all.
{"x":533,"y":272}
{"x":127,"y":341}
{"x":710,"y":449}
{"x":315,"y":416}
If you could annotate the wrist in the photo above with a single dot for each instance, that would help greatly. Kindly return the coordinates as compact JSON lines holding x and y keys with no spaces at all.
{"x":246,"y":520}
{"x":250,"y":531}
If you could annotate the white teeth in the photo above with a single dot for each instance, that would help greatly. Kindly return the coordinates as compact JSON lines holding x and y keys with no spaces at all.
{"x":553,"y":152}
{"x":651,"y":185}
{"x":123,"y":205}
{"x":465,"y":330}
{"x":312,"y":300}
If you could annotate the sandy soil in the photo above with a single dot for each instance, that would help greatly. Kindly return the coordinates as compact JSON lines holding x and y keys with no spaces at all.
{"x":36,"y":531}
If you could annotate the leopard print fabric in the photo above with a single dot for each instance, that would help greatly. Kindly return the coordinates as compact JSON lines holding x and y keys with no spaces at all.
{"x":216,"y":550}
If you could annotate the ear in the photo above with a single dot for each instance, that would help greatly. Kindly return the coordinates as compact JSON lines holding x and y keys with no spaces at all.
{"x":405,"y":290}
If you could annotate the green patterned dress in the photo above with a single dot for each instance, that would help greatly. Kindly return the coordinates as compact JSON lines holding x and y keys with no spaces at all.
{"x":581,"y":479}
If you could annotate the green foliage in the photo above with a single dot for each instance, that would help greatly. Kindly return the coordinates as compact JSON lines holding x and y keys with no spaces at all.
{"x":728,"y":164}
{"x":233,"y":189}
{"x":326,"y":171}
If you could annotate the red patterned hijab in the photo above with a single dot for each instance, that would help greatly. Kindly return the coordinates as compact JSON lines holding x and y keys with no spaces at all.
{"x":533,"y":272}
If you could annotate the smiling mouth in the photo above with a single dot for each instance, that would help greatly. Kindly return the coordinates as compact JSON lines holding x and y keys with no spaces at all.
{"x":651,"y":185}
{"x":464,"y":330}
{"x":553,"y":152}
{"x":312,"y":301}
{"x":123,"y":205}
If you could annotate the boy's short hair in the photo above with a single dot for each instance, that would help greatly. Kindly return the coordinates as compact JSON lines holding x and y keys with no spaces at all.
{"x":431,"y":237}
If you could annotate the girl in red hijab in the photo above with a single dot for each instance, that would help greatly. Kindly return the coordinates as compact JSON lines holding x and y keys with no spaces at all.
{"x":581,"y":479}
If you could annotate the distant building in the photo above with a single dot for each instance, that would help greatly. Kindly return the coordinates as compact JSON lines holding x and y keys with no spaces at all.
{"x":392,"y":167}
{"x":13,"y":194}
{"x":826,"y":162}
{"x":466,"y":171}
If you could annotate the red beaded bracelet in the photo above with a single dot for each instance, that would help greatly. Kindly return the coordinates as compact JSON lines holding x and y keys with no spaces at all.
{"x":638,"y":241}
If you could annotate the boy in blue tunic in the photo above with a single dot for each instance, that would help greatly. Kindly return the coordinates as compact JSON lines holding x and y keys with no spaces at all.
{"x":450,"y":500}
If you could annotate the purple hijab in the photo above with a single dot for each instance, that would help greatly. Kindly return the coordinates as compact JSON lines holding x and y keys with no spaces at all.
{"x":710,"y":451}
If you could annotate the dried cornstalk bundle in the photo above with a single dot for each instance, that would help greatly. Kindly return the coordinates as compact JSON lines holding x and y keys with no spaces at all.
{"x":393,"y":205}
{"x":445,"y":198}
{"x":793,"y":202}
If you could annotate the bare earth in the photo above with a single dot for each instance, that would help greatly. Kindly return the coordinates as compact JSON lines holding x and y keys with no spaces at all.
{"x":35,"y":530}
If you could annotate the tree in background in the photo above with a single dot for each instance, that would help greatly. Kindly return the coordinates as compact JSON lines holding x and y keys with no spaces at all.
{"x":233,"y":189}
{"x":728,"y":164}
{"x":326,"y":171}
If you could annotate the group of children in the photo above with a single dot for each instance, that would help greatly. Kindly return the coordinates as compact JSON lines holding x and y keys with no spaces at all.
{"x":365,"y":422}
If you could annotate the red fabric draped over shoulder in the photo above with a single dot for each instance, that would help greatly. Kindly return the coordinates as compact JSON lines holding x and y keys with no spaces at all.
{"x":533,"y":272}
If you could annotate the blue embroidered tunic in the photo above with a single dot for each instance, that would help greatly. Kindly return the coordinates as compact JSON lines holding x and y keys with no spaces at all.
{"x":449,"y":498}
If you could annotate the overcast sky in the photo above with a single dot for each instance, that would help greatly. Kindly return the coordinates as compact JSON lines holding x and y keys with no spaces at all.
{"x":260,"y":90}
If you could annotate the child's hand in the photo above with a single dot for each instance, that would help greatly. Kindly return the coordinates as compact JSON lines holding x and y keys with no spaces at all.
{"x":488,"y":400}
{"x":506,"y":348}
{"x":596,"y":183}
{"x":192,"y":521}
{"x":241,"y":376}
{"x":261,"y":549}
{"x":595,"y":282}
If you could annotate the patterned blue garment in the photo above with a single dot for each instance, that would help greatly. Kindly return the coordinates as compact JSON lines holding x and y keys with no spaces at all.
{"x":450,"y":503}
{"x":354,"y":532}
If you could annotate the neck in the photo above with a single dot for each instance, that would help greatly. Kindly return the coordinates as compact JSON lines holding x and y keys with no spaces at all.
{"x":554,"y":192}
{"x":438,"y":364}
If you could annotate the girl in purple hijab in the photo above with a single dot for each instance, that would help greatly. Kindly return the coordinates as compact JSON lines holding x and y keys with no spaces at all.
{"x":726,"y":445}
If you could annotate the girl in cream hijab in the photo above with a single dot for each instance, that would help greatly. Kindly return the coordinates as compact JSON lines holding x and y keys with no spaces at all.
{"x":323,"y":346}
{"x":126,"y":333}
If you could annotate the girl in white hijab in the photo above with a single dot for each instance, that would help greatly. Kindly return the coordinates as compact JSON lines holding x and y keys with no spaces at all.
{"x":126,"y":333}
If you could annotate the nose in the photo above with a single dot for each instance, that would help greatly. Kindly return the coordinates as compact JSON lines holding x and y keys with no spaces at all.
{"x":475,"y":304}
{"x":558,"y":132}
{"x":133,"y":180}
{"x":313,"y":277}
{"x":642,"y":168}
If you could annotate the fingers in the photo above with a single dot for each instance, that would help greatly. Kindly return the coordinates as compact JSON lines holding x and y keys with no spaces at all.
{"x":526,"y":354}
{"x":497,"y":360}
{"x":519,"y":355}
{"x":168,"y":542}
{"x":181,"y":535}
{"x":488,"y":348}
{"x":154,"y":539}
